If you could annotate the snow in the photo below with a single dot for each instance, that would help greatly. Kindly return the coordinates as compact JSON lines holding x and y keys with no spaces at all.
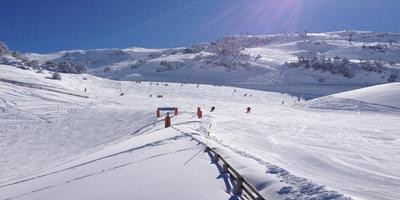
{"x":139,"y":168}
{"x":379,"y":98}
{"x":355,"y":153}
{"x":387,"y":94}
{"x":56,"y":146}
{"x":254,"y":62}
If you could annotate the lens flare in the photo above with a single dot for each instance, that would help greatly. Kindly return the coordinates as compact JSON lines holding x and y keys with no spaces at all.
{"x":264,"y":14}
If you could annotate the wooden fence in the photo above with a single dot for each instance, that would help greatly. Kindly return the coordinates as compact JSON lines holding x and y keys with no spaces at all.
{"x":243,"y":186}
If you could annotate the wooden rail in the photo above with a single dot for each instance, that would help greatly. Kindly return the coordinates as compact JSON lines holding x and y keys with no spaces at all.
{"x":243,"y":186}
{"x":36,"y":86}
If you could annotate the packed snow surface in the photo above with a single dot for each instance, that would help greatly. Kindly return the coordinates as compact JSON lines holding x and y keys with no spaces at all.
{"x":110,"y":146}
{"x":387,"y":95}
{"x":384,"y":97}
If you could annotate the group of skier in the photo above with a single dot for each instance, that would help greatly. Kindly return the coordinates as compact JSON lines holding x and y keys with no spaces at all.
{"x":248,"y":109}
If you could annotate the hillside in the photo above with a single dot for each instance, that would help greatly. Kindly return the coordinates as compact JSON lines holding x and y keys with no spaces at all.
{"x":311,"y":65}
{"x":55,"y":145}
{"x":377,"y":98}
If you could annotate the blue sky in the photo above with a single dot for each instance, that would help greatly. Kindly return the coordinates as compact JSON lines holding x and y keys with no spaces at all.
{"x":53,"y":25}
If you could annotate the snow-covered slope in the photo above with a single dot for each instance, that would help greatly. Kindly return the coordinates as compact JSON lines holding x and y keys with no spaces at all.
{"x":55,"y":145}
{"x":336,"y":62}
{"x":376,"y":98}
{"x":387,"y":95}
{"x":150,"y":166}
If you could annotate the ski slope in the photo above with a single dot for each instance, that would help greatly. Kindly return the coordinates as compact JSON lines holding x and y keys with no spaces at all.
{"x":376,"y":98}
{"x":151,"y":166}
{"x":57,"y":146}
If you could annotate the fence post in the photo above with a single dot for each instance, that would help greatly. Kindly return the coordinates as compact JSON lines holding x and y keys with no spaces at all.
{"x":199,"y":113}
{"x":167,"y":121}
{"x":216,"y":158}
{"x":239,"y":185}
{"x":225,"y":167}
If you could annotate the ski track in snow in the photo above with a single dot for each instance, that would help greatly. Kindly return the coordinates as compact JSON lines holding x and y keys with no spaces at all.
{"x":87,"y":175}
{"x":300,"y":188}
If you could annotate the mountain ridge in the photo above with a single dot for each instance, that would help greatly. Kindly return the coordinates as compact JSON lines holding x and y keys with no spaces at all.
{"x":289,"y":62}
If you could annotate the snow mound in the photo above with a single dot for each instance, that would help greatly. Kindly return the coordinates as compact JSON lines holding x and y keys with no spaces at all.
{"x":385,"y":97}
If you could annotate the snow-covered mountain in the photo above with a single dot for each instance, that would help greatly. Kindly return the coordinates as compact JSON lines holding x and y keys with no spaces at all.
{"x":294,"y":63}
{"x":13,"y":58}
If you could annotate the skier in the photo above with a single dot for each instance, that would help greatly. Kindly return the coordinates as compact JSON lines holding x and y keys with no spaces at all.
{"x":248,"y":109}
{"x":212,"y":109}
{"x":85,"y":89}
